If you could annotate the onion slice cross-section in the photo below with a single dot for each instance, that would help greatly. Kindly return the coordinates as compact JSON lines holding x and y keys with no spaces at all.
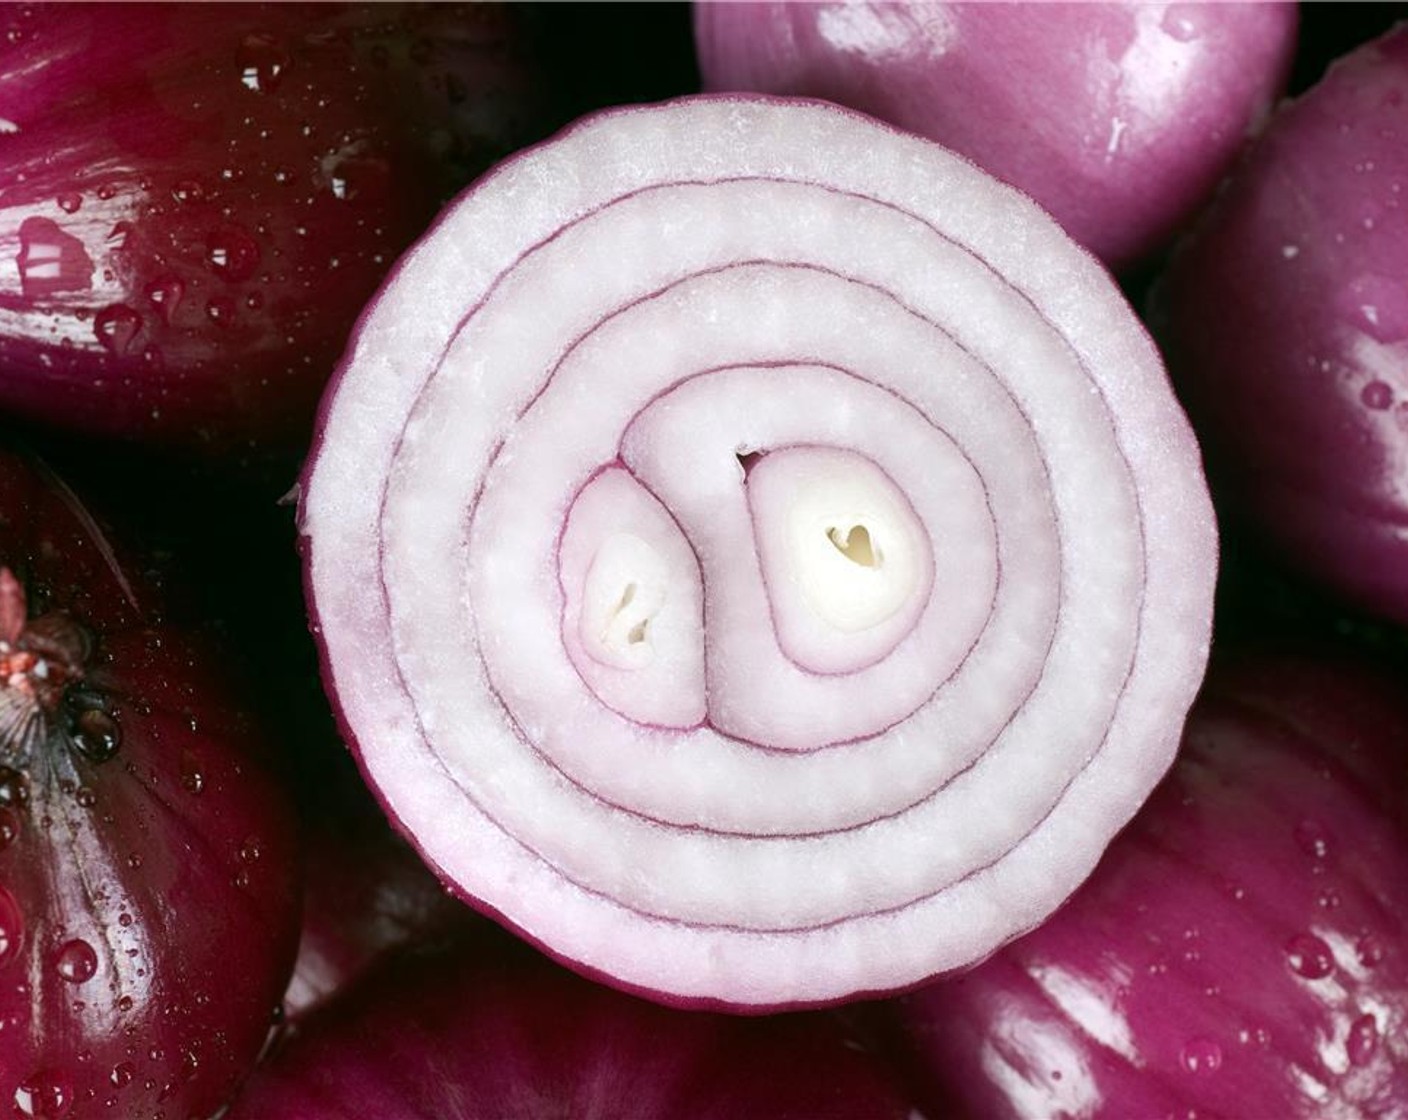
{"x":755,"y":554}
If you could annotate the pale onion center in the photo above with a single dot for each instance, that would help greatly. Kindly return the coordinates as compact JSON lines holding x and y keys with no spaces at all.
{"x":852,"y":551}
{"x":625,"y":588}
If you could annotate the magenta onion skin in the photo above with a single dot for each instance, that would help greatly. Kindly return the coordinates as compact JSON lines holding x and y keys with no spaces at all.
{"x":1118,"y":118}
{"x":492,"y":1031}
{"x":1242,"y":949}
{"x":148,"y":873}
{"x":752,"y":600}
{"x":196,"y":200}
{"x":1285,"y":322}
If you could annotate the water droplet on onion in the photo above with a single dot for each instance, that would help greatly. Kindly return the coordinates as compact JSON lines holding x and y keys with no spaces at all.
{"x":262,"y":62}
{"x":10,"y":826}
{"x":96,"y":734}
{"x":1201,"y":1056}
{"x":1313,"y":839}
{"x":1309,"y":956}
{"x":116,"y":327}
{"x":11,"y":928}
{"x":51,"y":261}
{"x":76,"y":961}
{"x":1377,"y":395}
{"x":232,"y":253}
{"x":1363,"y":1040}
{"x":43,"y":1096}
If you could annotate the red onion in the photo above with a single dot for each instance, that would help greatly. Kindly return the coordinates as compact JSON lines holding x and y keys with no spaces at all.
{"x":488,"y":1033}
{"x":148,"y":893}
{"x":756,"y":554}
{"x":196,"y":200}
{"x":1242,"y":949}
{"x":1119,"y":118}
{"x":1286,"y":321}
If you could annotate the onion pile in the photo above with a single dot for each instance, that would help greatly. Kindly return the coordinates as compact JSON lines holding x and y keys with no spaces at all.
{"x":756,"y":554}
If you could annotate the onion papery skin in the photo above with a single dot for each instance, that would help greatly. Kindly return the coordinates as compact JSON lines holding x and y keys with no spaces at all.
{"x":197,"y":200}
{"x":1242,"y":949}
{"x":648,"y":330}
{"x":1286,"y":329}
{"x":1118,"y":118}
{"x":148,"y":858}
{"x":494,"y":1032}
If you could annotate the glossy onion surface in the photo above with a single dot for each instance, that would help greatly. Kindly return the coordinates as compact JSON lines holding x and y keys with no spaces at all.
{"x":1286,"y":325}
{"x":1242,"y":949}
{"x":1119,"y":118}
{"x":197,"y":199}
{"x":494,"y":1032}
{"x":148,"y":871}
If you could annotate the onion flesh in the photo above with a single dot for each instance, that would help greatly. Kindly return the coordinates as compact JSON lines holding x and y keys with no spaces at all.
{"x":708,"y":343}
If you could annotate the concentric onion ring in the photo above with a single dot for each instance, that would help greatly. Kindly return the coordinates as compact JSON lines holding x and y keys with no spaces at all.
{"x":756,"y":554}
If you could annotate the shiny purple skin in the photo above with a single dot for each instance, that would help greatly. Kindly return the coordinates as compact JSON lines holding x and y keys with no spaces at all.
{"x":197,"y":200}
{"x":1241,"y":951}
{"x":1285,"y":322}
{"x":1118,"y":118}
{"x":493,"y":1031}
{"x":148,"y":860}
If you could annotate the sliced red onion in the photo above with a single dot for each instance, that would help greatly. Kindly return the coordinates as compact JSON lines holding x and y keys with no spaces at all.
{"x":756,"y":554}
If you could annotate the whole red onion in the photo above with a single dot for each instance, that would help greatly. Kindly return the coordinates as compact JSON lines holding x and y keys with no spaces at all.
{"x":492,"y":1031}
{"x":1119,"y":118}
{"x":1285,"y":322}
{"x":196,"y":200}
{"x":1242,"y":949}
{"x":148,"y":870}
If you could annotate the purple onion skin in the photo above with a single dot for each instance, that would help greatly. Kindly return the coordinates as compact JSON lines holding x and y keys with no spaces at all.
{"x":197,"y":200}
{"x":1118,"y":118}
{"x":1241,"y":951}
{"x":1284,"y":318}
{"x":492,"y":1031}
{"x":148,"y":860}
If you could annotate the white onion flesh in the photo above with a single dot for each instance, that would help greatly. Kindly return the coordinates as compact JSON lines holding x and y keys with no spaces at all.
{"x":757,"y":554}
